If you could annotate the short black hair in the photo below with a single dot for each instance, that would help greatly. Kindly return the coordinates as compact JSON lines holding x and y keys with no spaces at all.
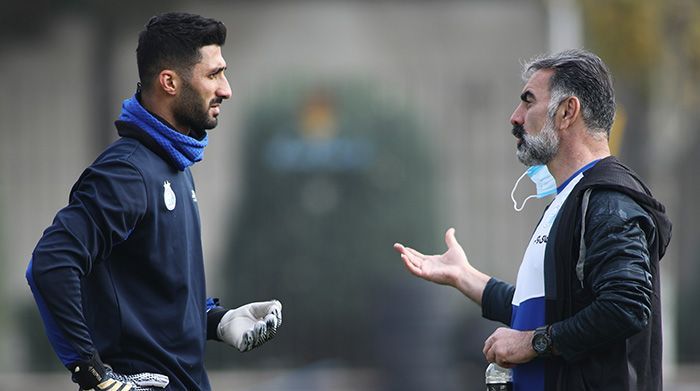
{"x":172,"y":41}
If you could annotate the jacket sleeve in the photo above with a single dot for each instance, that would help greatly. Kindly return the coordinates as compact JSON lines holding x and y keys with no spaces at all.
{"x":214,"y":314}
{"x":104,"y":207}
{"x":617,"y":273}
{"x":496,"y":301}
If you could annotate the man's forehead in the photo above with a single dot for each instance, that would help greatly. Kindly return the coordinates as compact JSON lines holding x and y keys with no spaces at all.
{"x":538,"y":83}
{"x":211,"y":57}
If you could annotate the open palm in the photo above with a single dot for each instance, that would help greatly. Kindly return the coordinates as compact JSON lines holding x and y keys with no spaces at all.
{"x":442,"y":269}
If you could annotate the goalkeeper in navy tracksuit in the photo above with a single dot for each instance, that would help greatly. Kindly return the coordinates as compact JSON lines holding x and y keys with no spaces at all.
{"x":118,"y":276}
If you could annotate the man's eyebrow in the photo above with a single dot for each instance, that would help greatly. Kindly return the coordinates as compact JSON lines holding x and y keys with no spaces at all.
{"x":218,"y":70}
{"x":527,"y":96}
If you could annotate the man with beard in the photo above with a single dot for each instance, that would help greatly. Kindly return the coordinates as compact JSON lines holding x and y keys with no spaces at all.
{"x":585,"y":312}
{"x":119,"y":275}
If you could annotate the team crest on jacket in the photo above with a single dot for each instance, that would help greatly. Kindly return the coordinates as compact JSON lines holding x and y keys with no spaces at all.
{"x":168,"y":196}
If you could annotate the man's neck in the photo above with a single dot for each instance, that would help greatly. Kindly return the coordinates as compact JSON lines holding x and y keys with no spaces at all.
{"x":569,"y":160}
{"x":162,"y":111}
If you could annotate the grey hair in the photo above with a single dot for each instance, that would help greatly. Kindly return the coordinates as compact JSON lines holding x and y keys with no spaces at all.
{"x":584,"y":75}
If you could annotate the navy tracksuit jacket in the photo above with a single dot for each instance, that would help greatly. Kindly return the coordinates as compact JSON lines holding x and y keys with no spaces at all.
{"x":120,"y":270}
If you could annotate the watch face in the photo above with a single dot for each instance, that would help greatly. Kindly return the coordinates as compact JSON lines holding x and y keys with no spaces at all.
{"x":540,"y":343}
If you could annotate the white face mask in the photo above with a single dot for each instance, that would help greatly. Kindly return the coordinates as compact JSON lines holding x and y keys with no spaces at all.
{"x":544,"y":181}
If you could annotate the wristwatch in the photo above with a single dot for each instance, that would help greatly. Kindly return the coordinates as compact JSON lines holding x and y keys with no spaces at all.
{"x":542,"y":342}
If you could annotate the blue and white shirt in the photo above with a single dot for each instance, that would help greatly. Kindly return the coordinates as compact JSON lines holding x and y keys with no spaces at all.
{"x":529,"y":298}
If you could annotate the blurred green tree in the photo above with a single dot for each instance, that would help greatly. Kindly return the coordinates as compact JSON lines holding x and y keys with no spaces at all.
{"x":333,"y":175}
{"x":653,"y":49}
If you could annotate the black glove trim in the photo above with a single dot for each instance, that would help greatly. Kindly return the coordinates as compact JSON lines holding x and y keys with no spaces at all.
{"x":88,"y":374}
{"x":213,"y":318}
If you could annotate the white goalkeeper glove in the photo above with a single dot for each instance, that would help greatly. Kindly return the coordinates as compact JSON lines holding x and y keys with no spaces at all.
{"x":251,"y":325}
{"x":93,"y":375}
{"x":138,"y":382}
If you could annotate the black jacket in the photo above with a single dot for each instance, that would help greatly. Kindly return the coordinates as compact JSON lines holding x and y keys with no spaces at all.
{"x":602,"y":297}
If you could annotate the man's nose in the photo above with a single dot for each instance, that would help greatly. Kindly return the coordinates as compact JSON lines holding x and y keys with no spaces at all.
{"x":517,"y":117}
{"x":224,"y":90}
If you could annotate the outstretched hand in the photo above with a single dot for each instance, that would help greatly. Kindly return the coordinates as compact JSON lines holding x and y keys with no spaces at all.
{"x":251,"y":325}
{"x":450,"y":268}
{"x":442,"y":269}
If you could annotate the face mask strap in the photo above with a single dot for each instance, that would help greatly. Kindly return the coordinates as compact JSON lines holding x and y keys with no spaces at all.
{"x":512,"y":195}
{"x":515,"y":204}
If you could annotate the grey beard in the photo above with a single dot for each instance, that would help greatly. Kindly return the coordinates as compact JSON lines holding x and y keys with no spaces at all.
{"x":540,"y":149}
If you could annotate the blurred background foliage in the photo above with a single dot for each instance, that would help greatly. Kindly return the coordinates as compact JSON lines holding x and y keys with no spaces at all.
{"x":649,"y":44}
{"x":333,"y":174}
{"x":635,"y":36}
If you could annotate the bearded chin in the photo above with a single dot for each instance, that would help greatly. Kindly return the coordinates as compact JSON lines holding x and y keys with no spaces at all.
{"x":540,"y":149}
{"x":192,"y":112}
{"x":192,"y":115}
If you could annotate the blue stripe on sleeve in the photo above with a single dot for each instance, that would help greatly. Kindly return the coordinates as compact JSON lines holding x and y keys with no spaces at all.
{"x":63,"y":349}
{"x":212,"y":302}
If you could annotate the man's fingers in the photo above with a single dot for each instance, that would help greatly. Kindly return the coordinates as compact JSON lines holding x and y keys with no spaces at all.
{"x":414,"y":259}
{"x":490,"y":348}
{"x":277,"y":312}
{"x":415,"y":253}
{"x":487,"y":346}
{"x":411,"y":265}
{"x":500,"y":348}
{"x":411,"y":258}
{"x":401,"y":249}
{"x":260,"y":331}
{"x":275,"y":315}
{"x":272,"y":321}
{"x":247,"y":341}
{"x":491,"y":355}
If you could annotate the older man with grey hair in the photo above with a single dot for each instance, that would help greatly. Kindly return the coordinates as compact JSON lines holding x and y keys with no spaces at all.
{"x":585,"y":312}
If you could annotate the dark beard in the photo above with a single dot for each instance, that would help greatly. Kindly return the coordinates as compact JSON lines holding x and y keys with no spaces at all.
{"x":518,"y":131}
{"x":189,"y":110}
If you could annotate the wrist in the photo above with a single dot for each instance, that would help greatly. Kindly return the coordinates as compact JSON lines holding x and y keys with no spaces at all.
{"x":471,"y":282}
{"x":89,"y":373}
{"x":542,"y":341}
{"x":214,"y":317}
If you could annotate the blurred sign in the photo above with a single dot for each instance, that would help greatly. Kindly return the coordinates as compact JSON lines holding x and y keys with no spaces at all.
{"x":289,"y":153}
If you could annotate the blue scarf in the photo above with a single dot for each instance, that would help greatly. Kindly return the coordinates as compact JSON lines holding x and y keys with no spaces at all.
{"x":184,"y":150}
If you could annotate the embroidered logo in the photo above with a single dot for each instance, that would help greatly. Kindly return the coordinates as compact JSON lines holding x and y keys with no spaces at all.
{"x":169,"y":196}
{"x":194,"y":196}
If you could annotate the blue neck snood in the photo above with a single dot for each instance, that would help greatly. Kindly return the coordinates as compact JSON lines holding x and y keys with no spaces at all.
{"x":184,"y":150}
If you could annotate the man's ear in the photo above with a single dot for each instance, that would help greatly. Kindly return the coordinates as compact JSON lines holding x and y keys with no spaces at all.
{"x":169,"y":81}
{"x":569,"y":111}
